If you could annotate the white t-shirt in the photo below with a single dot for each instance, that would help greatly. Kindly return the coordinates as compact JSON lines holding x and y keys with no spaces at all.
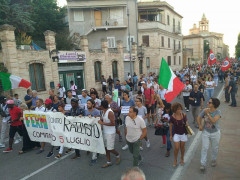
{"x":97,"y":102}
{"x":74,"y":88}
{"x":134,"y":128}
{"x":209,"y":84}
{"x":108,"y":129}
{"x":162,"y":93}
{"x":194,"y":78}
{"x":42,"y":109}
{"x":187,"y":87}
{"x":61,"y":92}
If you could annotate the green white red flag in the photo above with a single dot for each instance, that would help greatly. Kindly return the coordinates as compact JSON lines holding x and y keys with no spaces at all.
{"x":12,"y":82}
{"x":169,"y":81}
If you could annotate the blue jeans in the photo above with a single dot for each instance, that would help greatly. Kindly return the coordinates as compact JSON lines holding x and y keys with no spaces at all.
{"x":234,"y":103}
{"x":210,"y":93}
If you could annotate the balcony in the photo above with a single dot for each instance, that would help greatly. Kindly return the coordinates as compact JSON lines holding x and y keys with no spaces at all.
{"x":175,"y":51}
{"x":109,"y":24}
{"x":143,"y":25}
{"x":177,"y":30}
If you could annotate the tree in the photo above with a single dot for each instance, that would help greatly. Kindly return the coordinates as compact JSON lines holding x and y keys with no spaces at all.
{"x":2,"y":69}
{"x":237,"y":47}
{"x":64,"y":41}
{"x":48,"y":16}
{"x":16,"y":13}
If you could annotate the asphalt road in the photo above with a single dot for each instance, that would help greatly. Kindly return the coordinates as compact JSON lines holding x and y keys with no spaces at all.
{"x":34,"y":167}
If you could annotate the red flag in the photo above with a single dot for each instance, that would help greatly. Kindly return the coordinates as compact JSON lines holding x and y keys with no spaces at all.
{"x":199,"y":68}
{"x":225,"y":65}
{"x":211,"y":59}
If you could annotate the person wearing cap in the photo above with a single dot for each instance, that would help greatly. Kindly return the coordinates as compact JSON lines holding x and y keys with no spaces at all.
{"x":61,"y":91}
{"x":75,"y":111}
{"x":15,"y":123}
{"x":4,"y":112}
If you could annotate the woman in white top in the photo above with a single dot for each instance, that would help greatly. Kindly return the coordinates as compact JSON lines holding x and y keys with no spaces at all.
{"x":149,"y":84}
{"x":209,"y":84}
{"x":194,"y":77}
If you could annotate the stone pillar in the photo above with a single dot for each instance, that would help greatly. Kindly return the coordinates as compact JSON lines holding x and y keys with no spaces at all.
{"x":50,"y":40}
{"x":84,"y":43}
{"x":9,"y":50}
{"x":120,"y":46}
{"x":104,"y":45}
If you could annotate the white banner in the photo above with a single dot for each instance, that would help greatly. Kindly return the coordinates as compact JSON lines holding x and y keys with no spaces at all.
{"x":73,"y":132}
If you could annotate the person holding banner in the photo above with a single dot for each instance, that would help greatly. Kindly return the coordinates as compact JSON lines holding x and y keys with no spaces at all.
{"x":108,"y":122}
{"x":97,"y":101}
{"x":92,"y":112}
{"x":15,"y":123}
{"x":75,"y":111}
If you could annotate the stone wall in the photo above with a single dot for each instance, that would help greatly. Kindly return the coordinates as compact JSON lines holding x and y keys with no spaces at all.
{"x":18,"y":61}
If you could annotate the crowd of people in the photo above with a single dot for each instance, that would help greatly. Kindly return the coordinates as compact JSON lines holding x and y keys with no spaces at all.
{"x":148,"y":108}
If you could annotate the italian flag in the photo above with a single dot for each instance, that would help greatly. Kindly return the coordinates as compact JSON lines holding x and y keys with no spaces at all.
{"x":12,"y":82}
{"x":169,"y":81}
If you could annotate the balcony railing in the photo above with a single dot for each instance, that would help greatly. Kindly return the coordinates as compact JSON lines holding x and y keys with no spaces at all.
{"x":177,"y":30}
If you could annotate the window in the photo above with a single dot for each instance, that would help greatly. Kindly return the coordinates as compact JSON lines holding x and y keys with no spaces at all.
{"x":111,"y":42}
{"x":174,"y":44}
{"x":140,"y":66}
{"x":37,"y":79}
{"x":180,"y":60}
{"x":98,"y":70}
{"x":132,"y":40}
{"x":174,"y":60}
{"x":145,"y":40}
{"x":162,"y":41}
{"x":148,"y":61}
{"x":168,"y":20}
{"x":179,"y":26}
{"x":169,"y":60}
{"x":116,"y":16}
{"x":179,"y":45}
{"x":190,"y":42}
{"x":169,"y":43}
{"x":114,"y":69}
{"x":78,"y":15}
{"x":173,"y":25}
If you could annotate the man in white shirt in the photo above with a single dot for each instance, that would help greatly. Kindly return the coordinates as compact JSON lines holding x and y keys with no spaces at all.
{"x":61,"y":91}
{"x":162,"y":93}
{"x":135,"y":131}
{"x":39,"y":105}
{"x":73,"y":88}
{"x":186,"y":93}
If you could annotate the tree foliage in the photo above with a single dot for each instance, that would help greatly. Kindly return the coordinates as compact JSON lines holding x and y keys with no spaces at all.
{"x":16,"y":13}
{"x":237,"y":47}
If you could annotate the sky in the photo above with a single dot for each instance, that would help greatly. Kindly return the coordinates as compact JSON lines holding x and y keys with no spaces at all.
{"x":223,"y":17}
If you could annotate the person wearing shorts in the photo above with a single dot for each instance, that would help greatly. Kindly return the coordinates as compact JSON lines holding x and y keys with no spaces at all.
{"x":109,"y":130}
{"x":179,"y":135}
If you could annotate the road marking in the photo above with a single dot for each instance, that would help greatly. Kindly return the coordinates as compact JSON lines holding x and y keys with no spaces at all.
{"x":191,"y":151}
{"x":45,"y":167}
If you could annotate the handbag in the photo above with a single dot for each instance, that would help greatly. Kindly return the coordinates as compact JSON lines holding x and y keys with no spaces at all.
{"x":189,"y":130}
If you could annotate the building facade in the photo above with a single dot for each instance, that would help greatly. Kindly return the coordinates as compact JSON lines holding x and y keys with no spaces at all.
{"x":201,"y":40}
{"x":159,"y":34}
{"x":105,"y":19}
{"x":34,"y":66}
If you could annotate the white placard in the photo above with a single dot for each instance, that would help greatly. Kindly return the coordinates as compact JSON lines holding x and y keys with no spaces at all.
{"x":73,"y":132}
{"x":68,"y":107}
{"x":125,"y":109}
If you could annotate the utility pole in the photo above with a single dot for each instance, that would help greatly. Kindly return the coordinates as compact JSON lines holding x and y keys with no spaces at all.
{"x":129,"y":44}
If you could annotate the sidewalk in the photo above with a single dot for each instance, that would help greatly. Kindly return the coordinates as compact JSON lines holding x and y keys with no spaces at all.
{"x":228,"y":162}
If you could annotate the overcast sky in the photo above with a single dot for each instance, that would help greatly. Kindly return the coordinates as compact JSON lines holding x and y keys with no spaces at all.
{"x":223,"y":17}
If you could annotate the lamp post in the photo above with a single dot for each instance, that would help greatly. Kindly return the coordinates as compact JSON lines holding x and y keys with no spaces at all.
{"x":206,"y":50}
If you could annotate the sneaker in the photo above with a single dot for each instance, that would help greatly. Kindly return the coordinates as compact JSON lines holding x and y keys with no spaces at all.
{"x":75,"y":157}
{"x":202,"y":168}
{"x":40,"y":151}
{"x":125,"y":147}
{"x":214,"y":163}
{"x":187,"y":110}
{"x":2,"y":145}
{"x":50,"y":154}
{"x":68,"y":151}
{"x":92,"y":162}
{"x":58,"y":156}
{"x":8,"y":150}
{"x":118,"y":160}
{"x":120,"y":138}
{"x":141,"y":148}
{"x":16,"y":141}
{"x":148,"y":144}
